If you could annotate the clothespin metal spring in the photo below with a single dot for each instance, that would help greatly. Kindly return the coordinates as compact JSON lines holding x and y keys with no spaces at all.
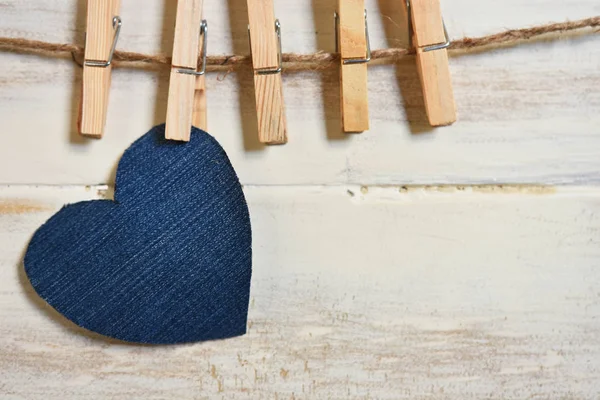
{"x":279,"y":52}
{"x":117,"y":22}
{"x":204,"y":36}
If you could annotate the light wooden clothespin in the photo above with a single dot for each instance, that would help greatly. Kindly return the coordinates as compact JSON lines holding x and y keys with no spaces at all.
{"x":430,"y":38}
{"x":103,"y":27}
{"x":352,"y":42}
{"x":186,"y":104}
{"x":265,"y":45}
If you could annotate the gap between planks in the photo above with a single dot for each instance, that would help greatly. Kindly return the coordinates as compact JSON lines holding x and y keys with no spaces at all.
{"x":389,"y":192}
{"x":403,"y":188}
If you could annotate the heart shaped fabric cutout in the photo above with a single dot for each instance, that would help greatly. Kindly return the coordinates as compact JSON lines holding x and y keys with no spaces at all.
{"x":168,"y":261}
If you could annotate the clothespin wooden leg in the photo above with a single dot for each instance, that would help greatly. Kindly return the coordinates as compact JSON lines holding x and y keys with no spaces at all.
{"x":186,"y":104}
{"x":199,"y":118}
{"x":352,"y":42}
{"x":431,"y":41}
{"x":103,"y":27}
{"x":265,"y":45}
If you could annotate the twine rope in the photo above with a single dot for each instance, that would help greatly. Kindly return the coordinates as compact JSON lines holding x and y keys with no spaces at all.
{"x":296,"y":62}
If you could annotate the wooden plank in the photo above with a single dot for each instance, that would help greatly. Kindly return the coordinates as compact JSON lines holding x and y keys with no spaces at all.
{"x":64,"y":21}
{"x":506,"y":305}
{"x":263,"y":39}
{"x":510,"y":100}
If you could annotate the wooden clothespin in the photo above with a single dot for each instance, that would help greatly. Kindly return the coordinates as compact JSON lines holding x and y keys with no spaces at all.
{"x":187,"y":95}
{"x":430,"y":39}
{"x":352,"y":42}
{"x":103,"y":27}
{"x":265,"y":45}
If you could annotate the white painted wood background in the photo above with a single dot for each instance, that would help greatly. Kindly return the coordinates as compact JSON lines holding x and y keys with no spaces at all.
{"x":461,"y":262}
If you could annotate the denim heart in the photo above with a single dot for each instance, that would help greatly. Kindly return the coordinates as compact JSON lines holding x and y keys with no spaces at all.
{"x":168,"y":261}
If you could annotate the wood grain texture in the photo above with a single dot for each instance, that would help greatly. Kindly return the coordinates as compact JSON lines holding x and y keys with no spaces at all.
{"x":433,"y":67}
{"x":187,"y":33}
{"x":180,"y":106}
{"x":268,"y":89}
{"x":438,"y":96}
{"x":353,"y":41}
{"x":199,"y":114}
{"x":427,"y":22}
{"x":185,"y":103}
{"x":270,"y":109}
{"x":527,"y":114}
{"x":100,"y":35}
{"x":354,"y":97}
{"x":416,"y":293}
{"x":353,"y":77}
{"x":100,"y":32}
{"x":363,"y":285}
{"x":95,"y":92}
{"x":263,"y":40}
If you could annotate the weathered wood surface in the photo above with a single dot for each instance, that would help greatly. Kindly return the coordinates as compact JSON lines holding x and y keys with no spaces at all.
{"x":379,"y":293}
{"x":526,"y":114}
{"x":375,"y":291}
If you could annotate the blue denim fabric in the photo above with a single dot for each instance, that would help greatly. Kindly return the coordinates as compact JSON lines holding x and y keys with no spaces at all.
{"x":169,"y":261}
